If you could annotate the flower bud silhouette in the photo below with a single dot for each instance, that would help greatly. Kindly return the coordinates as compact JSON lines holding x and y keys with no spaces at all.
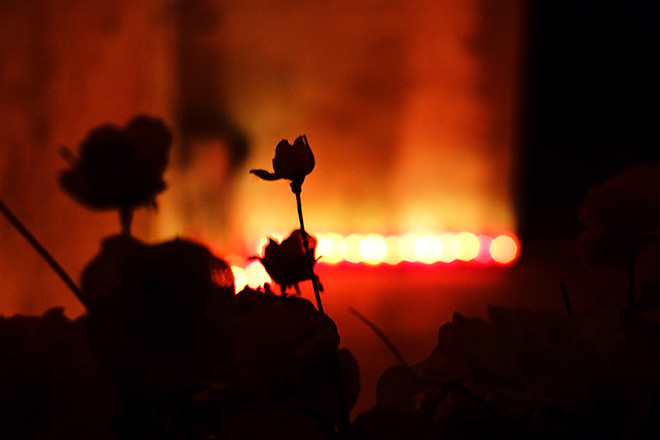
{"x":291,"y":162}
{"x":119,"y":168}
{"x":286,"y":262}
{"x":294,"y":162}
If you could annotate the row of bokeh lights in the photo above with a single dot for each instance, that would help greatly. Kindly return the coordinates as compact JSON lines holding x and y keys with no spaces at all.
{"x":373,"y":249}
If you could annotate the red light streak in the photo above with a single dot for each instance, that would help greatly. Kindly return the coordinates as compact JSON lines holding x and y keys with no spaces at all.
{"x":374,"y":249}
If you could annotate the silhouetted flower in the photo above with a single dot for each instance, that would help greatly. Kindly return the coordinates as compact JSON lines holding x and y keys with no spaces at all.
{"x":541,"y":358}
{"x":622,"y":215}
{"x":120,"y":167}
{"x":159,"y":307}
{"x":291,"y":162}
{"x":50,"y":381}
{"x":274,"y":337}
{"x":286,"y":352}
{"x":286,"y":262}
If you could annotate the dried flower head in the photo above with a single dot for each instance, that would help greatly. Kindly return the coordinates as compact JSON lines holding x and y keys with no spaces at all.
{"x":119,"y":167}
{"x":286,"y":262}
{"x":291,"y":162}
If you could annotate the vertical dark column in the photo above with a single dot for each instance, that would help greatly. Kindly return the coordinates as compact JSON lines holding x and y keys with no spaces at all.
{"x":211,"y":145}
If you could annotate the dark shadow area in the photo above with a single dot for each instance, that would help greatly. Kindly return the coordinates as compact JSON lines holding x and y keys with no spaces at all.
{"x":592,"y":104}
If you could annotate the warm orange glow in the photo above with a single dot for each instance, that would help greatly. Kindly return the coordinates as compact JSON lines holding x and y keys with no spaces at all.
{"x":393,"y":255}
{"x":503,"y":249}
{"x":468,"y":246}
{"x":484,"y":249}
{"x":450,"y":247}
{"x":331,"y":248}
{"x":256,"y":275}
{"x":373,"y":249}
{"x":428,"y":249}
{"x":412,"y":247}
{"x":240,"y":278}
{"x":353,"y":248}
{"x":406,"y":247}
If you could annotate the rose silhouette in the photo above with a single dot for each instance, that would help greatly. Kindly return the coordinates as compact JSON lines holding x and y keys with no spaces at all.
{"x":120,"y":168}
{"x":291,"y":162}
{"x":286,"y":262}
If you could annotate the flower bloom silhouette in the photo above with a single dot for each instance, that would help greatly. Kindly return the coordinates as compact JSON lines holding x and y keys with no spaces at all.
{"x":294,"y":162}
{"x":120,"y":167}
{"x":291,"y":162}
{"x":286,"y":262}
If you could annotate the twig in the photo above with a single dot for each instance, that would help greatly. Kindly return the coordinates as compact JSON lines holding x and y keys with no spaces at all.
{"x":631,"y":276}
{"x":16,"y":223}
{"x":382,"y":337}
{"x":469,"y":393}
{"x":566,"y":298}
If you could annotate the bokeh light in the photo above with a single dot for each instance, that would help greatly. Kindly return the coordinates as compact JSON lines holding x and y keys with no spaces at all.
{"x":484,"y":249}
{"x":503,"y":249}
{"x":240,"y":278}
{"x":428,"y":249}
{"x":406,"y":247}
{"x":331,"y":248}
{"x":256,"y":275}
{"x":468,"y":246}
{"x":414,"y":247}
{"x":352,"y":254}
{"x":450,"y":247}
{"x":393,"y":255}
{"x":373,"y":249}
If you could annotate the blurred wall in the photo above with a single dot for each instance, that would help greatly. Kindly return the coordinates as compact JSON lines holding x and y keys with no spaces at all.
{"x":410,"y":108}
{"x":65,"y":67}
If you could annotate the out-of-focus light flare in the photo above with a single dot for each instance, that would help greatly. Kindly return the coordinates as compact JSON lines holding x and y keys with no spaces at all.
{"x":373,"y":249}
{"x":240,"y":278}
{"x":484,"y":249}
{"x":406,"y":247}
{"x":256,"y":275}
{"x":428,"y":249}
{"x":393,"y":255}
{"x":331,"y":248}
{"x":352,"y":254}
{"x":503,"y":249}
{"x":468,"y":246}
{"x":450,"y":247}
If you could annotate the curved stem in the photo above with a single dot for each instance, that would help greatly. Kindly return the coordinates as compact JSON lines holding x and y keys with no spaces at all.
{"x":383,"y":337}
{"x":632,"y":258}
{"x":16,"y":223}
{"x":310,"y":258}
{"x":566,"y":298}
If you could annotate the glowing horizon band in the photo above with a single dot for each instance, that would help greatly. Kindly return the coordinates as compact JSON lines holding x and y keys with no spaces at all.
{"x":375,"y":249}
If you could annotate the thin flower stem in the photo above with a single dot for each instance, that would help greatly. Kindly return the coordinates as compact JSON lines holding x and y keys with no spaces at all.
{"x":468,"y":392}
{"x":383,"y":337}
{"x":16,"y":223}
{"x":632,"y":258}
{"x":566,"y":298}
{"x":310,"y":257}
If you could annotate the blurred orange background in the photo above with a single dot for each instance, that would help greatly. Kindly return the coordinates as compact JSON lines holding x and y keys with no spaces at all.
{"x":411,"y":108}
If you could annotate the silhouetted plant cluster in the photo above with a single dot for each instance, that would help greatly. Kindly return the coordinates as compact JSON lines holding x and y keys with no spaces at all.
{"x":167,"y":350}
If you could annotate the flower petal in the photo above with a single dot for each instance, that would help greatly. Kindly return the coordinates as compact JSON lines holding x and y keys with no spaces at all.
{"x":265,"y":175}
{"x":293,"y":162}
{"x":306,"y":152}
